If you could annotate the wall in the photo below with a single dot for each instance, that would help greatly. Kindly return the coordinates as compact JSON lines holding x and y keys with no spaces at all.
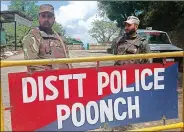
{"x":99,"y":47}
{"x":74,"y":47}
{"x":91,"y":47}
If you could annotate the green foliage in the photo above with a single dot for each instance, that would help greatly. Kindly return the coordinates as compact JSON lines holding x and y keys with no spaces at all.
{"x":30,"y":9}
{"x":9,"y":29}
{"x":71,"y":41}
{"x":120,"y":10}
{"x":165,"y":15}
{"x":103,"y":31}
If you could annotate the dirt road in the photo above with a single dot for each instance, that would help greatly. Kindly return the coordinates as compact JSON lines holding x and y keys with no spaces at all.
{"x":4,"y":85}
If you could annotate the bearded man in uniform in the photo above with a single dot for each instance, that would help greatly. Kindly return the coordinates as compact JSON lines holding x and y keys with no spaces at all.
{"x":131,"y":43}
{"x":44,"y":43}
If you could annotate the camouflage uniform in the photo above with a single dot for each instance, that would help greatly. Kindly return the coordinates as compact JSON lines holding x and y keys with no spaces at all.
{"x":39,"y":45}
{"x":134,"y":45}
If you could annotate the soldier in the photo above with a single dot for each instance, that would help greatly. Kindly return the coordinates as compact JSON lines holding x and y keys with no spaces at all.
{"x":44,"y":43}
{"x":131,"y":43}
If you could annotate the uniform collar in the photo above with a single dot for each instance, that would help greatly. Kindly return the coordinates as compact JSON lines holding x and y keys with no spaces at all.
{"x":44,"y":34}
{"x":132,"y":37}
{"x":43,"y":30}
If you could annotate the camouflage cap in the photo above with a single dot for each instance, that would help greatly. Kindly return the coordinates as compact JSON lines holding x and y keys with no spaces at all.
{"x":46,"y":8}
{"x":132,"y":20}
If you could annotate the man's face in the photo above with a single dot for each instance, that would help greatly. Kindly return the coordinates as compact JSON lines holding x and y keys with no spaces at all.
{"x":130,"y":28}
{"x":46,"y":19}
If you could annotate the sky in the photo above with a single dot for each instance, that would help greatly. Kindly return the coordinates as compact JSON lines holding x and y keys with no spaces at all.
{"x":75,"y":16}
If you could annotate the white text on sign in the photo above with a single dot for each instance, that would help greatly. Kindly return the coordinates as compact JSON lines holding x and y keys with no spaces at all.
{"x":108,"y":109}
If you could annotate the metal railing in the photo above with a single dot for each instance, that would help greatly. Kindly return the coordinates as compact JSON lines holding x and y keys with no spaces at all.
{"x":9,"y":63}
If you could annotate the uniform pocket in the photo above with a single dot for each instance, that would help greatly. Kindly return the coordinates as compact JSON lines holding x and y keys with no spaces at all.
{"x":57,"y":50}
{"x":132,"y":49}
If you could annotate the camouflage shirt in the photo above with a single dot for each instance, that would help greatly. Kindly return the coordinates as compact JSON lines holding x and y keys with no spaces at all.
{"x":39,"y":45}
{"x":134,"y":45}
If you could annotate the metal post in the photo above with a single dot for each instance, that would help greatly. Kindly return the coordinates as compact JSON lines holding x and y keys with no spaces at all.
{"x":164,"y":120}
{"x":97,"y":66}
{"x":2,"y":111}
{"x":183,"y":98}
{"x":1,"y":25}
{"x":15,"y":36}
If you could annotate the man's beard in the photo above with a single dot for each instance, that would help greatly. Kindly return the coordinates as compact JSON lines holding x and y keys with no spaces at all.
{"x":131,"y":32}
{"x":46,"y":25}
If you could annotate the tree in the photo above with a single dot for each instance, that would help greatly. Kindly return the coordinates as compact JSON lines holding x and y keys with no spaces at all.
{"x":120,"y":10}
{"x":103,"y":31}
{"x":165,"y":15}
{"x":161,"y":15}
{"x":30,"y":9}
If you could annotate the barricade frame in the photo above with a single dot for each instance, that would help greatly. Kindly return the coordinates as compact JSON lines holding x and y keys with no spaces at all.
{"x":10,"y":63}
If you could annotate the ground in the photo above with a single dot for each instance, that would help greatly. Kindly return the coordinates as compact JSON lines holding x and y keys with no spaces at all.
{"x":74,"y":53}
